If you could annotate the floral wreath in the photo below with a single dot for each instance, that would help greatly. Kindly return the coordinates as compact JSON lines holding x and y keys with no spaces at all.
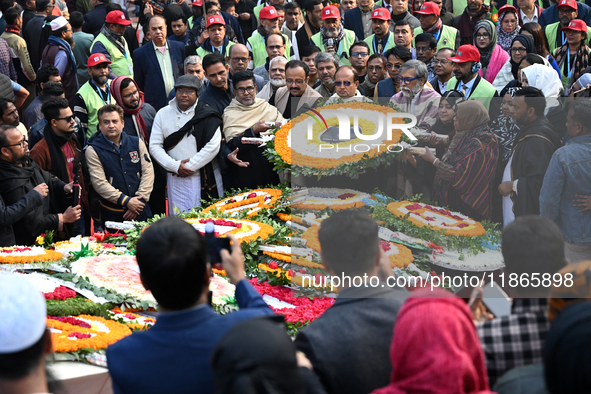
{"x":26,"y":254}
{"x":282,"y":137}
{"x":243,"y":230}
{"x":72,"y":333}
{"x":134,"y":321}
{"x":254,"y":201}
{"x":399,"y":255}
{"x":442,"y":220}
{"x":318,"y":199}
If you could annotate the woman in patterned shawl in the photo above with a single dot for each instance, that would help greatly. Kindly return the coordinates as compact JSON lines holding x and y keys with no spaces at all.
{"x":464,"y":177}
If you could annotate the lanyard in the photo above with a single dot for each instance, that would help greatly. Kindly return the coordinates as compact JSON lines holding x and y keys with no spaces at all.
{"x":570,"y":70}
{"x":563,"y":38}
{"x":385,"y":46}
{"x":438,"y":34}
{"x":100,"y":92}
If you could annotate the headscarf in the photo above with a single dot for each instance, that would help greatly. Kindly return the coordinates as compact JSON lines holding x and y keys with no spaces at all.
{"x":566,"y":351}
{"x":543,"y":78}
{"x":257,"y":356}
{"x":530,"y":47}
{"x":138,"y":120}
{"x":453,"y":97}
{"x":486,"y":53}
{"x":579,"y":289}
{"x":471,"y":114}
{"x":505,"y":39}
{"x":584,"y":80}
{"x":580,"y":63}
{"x":435,"y":348}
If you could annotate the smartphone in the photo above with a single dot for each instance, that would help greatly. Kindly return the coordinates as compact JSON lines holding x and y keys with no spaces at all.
{"x":215,"y":245}
{"x":496,"y":300}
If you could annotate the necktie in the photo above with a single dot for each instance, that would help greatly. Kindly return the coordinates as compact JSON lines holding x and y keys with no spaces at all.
{"x":464,"y":87}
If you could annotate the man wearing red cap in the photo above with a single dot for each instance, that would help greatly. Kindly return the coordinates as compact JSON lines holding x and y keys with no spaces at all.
{"x":332,"y":36}
{"x":572,"y":57}
{"x":256,"y":43}
{"x":217,"y":41}
{"x":197,"y":10}
{"x":466,"y":78}
{"x":110,"y":42}
{"x":556,"y":37}
{"x":93,"y":94}
{"x":358,"y":19}
{"x":446,"y":36}
{"x":383,"y":38}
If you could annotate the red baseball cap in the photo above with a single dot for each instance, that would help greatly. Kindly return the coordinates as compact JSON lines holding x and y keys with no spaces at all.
{"x":429,"y":8}
{"x":507,"y":7}
{"x":197,"y":3}
{"x":97,"y":58}
{"x":117,"y":17}
{"x":331,"y":12}
{"x":215,"y":20}
{"x":567,"y":3}
{"x":466,"y":53}
{"x":576,"y":25}
{"x":268,"y":12}
{"x":381,"y":13}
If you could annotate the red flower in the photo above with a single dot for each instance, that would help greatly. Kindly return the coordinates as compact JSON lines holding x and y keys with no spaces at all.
{"x":70,"y":320}
{"x":251,"y":195}
{"x":79,"y":335}
{"x":302,"y":271}
{"x":385,"y":245}
{"x":273,"y":265}
{"x":99,"y":235}
{"x":60,"y":293}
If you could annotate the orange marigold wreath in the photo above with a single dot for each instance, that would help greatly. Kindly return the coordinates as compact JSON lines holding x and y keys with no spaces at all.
{"x":266,"y":200}
{"x":73,"y":337}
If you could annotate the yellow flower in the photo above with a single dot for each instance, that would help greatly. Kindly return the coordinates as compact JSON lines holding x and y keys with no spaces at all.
{"x":40,"y":240}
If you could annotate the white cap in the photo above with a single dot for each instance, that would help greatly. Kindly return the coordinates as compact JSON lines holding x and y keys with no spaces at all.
{"x":22,"y":311}
{"x":58,"y":23}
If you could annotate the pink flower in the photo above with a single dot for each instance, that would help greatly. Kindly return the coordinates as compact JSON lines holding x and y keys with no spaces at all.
{"x":273,"y":265}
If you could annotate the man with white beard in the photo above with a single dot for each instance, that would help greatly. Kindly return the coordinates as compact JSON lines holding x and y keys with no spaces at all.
{"x":277,"y":78}
{"x":414,"y":97}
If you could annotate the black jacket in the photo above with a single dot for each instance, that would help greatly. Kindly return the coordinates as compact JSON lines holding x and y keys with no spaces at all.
{"x":359,"y":323}
{"x":15,"y":183}
{"x":15,"y":212}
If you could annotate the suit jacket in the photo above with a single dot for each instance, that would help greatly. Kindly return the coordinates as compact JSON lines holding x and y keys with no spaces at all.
{"x":174,"y":355}
{"x":550,"y":14}
{"x":359,"y":323}
{"x":353,"y":22}
{"x":148,"y":76}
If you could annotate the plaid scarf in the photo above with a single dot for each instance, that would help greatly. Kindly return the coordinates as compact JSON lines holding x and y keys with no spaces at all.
{"x":114,"y":38}
{"x":336,"y":40}
{"x":580,"y":63}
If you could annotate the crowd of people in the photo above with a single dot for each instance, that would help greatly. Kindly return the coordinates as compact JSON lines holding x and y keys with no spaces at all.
{"x":105,"y":120}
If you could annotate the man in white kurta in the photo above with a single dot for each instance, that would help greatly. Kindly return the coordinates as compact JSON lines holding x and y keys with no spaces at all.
{"x":183,"y":161}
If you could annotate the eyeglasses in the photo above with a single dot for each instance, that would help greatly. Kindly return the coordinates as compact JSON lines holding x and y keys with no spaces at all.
{"x":360,"y":54}
{"x":483,"y":35}
{"x":67,"y":118}
{"x":130,"y":95}
{"x":297,"y":82}
{"x":274,"y":47}
{"x":188,"y":92}
{"x":406,"y":80}
{"x":375,"y":68}
{"x":248,"y":89}
{"x":518,"y":50}
{"x":442,"y":62}
{"x":240,"y":59}
{"x":22,"y":143}
{"x":396,"y":66}
{"x":423,"y":49}
{"x":346,"y":83}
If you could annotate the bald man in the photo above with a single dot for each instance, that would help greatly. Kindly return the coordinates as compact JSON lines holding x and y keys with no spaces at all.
{"x":346,"y":83}
{"x":238,"y":58}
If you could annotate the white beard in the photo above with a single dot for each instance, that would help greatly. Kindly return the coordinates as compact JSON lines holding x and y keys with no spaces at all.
{"x":277,"y":83}
{"x":411,"y":93}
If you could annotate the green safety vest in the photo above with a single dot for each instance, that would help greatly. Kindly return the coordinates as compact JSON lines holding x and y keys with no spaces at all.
{"x":204,"y":52}
{"x":257,"y":12}
{"x":121,"y":64}
{"x":484,"y":91}
{"x":551,"y":32}
{"x":190,"y":23}
{"x":565,"y":80}
{"x":93,"y":103}
{"x":447,"y":38}
{"x":346,"y":43}
{"x":259,"y":49}
{"x":389,"y":44}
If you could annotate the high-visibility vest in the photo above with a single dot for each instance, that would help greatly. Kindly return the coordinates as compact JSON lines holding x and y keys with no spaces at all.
{"x":551,"y":33}
{"x":259,"y":49}
{"x":343,"y":49}
{"x":484,"y":91}
{"x":121,"y":64}
{"x":447,"y":38}
{"x":202,"y":52}
{"x":93,"y":103}
{"x":373,"y":47}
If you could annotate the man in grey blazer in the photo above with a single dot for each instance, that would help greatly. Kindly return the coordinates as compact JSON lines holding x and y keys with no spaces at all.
{"x":349,"y":344}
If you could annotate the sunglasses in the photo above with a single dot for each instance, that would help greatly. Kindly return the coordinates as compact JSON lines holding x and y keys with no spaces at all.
{"x":67,"y":118}
{"x":340,"y":83}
